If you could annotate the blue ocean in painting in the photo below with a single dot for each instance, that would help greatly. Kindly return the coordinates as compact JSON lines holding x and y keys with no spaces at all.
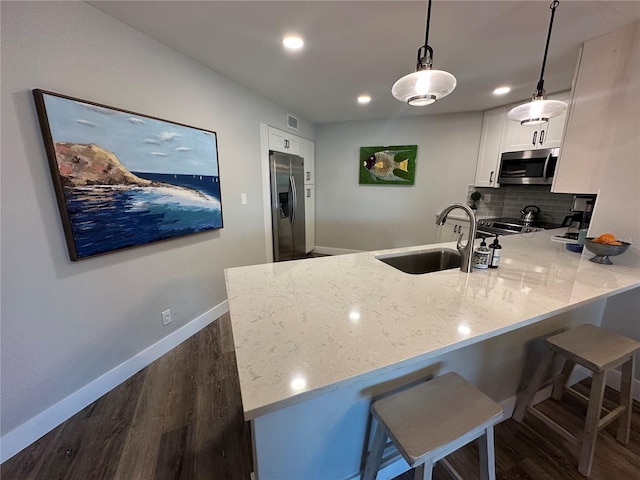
{"x":206,"y":184}
{"x":105,"y":218}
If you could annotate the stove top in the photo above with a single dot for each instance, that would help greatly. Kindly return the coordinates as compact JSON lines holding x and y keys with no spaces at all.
{"x":511,"y":226}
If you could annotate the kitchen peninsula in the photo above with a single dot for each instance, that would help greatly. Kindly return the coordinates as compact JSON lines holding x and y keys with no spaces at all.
{"x":317,"y":339}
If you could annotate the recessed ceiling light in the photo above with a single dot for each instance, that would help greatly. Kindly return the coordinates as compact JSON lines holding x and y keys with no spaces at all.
{"x":293,"y":42}
{"x":501,"y":90}
{"x":364,"y":99}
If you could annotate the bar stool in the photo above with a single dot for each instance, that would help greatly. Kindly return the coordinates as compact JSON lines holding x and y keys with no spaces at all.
{"x":432,"y":420}
{"x":599,"y":351}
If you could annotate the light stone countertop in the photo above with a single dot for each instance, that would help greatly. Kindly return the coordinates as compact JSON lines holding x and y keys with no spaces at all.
{"x":307,"y":327}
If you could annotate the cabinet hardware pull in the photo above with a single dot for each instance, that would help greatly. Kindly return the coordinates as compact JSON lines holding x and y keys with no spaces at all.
{"x":535,"y":135}
{"x":308,"y":193}
{"x":308,"y":176}
{"x":541,"y":137}
{"x":286,"y":143}
{"x":491,"y":177}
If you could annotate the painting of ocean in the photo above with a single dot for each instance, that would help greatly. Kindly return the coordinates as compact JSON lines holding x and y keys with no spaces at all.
{"x":125,"y":179}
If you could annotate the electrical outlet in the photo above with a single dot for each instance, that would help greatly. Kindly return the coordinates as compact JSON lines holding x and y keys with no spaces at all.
{"x":166,"y":317}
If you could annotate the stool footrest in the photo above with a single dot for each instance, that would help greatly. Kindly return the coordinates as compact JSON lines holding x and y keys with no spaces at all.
{"x":449,"y":468}
{"x":563,"y":432}
{"x":610,"y":417}
{"x":576,"y":394}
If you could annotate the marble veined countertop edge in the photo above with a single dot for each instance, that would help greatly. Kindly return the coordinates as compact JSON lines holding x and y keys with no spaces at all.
{"x":305,"y":328}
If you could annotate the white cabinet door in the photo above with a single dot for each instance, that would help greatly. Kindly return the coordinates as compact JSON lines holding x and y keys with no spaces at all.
{"x":521,"y":137}
{"x":551,"y":137}
{"x":280,"y":141}
{"x":310,"y":217}
{"x":450,"y":231}
{"x":531,"y":137}
{"x":308,"y":155}
{"x":602,"y":106}
{"x":490,"y":143}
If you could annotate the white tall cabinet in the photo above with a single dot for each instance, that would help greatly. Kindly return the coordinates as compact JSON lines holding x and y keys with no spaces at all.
{"x":308,"y":147}
{"x":604,"y":104}
{"x":281,"y":141}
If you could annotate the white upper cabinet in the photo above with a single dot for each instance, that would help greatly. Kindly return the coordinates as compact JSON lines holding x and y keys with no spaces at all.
{"x":284,"y":142}
{"x":490,"y":148}
{"x":531,"y":137}
{"x":499,"y":135}
{"x":604,"y":103}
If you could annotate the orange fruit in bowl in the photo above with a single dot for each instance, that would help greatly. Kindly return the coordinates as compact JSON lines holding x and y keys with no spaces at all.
{"x":607,"y":239}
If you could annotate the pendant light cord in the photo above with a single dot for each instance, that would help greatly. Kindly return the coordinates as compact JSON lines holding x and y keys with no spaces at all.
{"x":426,"y":34}
{"x":425,"y":53}
{"x":540,"y":86}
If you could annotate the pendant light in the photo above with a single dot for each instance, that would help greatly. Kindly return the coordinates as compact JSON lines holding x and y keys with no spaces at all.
{"x":424,"y":86}
{"x":539,"y":110}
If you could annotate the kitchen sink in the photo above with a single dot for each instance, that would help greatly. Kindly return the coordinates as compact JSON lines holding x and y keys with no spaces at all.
{"x":424,"y":261}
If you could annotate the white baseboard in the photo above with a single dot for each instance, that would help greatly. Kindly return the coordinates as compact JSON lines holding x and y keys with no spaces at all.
{"x":613,"y":381}
{"x":34,"y":428}
{"x":334,"y":251}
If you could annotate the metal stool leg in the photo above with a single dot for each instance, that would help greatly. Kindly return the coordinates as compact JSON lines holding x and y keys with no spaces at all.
{"x":375,"y":455}
{"x":626,"y":400}
{"x":526,"y":398}
{"x":487,"y":455}
{"x":591,"y":425}
{"x":561,"y":381}
{"x":424,"y":471}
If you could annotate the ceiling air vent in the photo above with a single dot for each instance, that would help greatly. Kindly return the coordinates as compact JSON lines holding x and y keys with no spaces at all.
{"x":292,"y":122}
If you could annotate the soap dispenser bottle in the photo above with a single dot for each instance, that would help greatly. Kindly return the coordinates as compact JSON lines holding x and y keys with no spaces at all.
{"x":496,"y":250}
{"x":481,"y":256}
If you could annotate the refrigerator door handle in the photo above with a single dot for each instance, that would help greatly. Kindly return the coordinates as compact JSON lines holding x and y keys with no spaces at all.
{"x":294,"y":197}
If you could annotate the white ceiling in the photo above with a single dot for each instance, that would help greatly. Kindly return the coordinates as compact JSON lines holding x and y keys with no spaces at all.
{"x":355,"y":47}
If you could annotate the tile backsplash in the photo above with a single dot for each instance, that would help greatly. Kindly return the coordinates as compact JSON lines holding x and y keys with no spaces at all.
{"x":507,"y":201}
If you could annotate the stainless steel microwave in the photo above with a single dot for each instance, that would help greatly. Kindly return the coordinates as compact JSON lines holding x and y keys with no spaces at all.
{"x":529,"y":167}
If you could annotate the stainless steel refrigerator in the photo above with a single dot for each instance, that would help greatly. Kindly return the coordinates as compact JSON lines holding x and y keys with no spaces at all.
{"x":287,"y":206}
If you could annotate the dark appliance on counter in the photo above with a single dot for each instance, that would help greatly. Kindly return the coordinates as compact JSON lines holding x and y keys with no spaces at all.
{"x":529,"y":167}
{"x":511,"y":226}
{"x":582,"y":208}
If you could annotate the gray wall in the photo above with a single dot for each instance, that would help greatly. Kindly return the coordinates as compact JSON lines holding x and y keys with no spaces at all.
{"x":371,"y":217}
{"x":66,"y":323}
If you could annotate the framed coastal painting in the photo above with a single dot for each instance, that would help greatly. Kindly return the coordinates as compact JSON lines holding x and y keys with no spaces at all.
{"x":123,"y":179}
{"x":394,"y":165}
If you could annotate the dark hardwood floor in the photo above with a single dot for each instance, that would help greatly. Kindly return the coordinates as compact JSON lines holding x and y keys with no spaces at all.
{"x":181,"y":418}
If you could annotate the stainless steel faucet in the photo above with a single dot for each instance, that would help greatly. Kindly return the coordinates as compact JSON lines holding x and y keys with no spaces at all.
{"x":466,"y":251}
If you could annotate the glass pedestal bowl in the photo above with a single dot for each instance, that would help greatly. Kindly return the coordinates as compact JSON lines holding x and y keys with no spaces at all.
{"x":603,"y":251}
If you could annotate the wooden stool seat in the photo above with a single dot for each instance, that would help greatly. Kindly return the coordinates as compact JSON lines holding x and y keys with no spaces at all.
{"x":432,"y":420}
{"x":593,"y":347}
{"x":599,"y":351}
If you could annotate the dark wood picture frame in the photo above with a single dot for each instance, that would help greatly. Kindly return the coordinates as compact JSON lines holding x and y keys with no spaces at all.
{"x":124,"y":179}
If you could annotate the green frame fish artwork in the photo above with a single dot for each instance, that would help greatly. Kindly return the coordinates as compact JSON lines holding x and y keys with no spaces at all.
{"x":391,"y":165}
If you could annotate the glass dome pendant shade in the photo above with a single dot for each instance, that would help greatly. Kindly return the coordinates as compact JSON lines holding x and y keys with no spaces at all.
{"x":539,"y":109}
{"x":424,"y":86}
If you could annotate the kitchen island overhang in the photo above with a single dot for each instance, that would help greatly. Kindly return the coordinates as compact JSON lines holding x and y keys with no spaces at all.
{"x":309,"y":332}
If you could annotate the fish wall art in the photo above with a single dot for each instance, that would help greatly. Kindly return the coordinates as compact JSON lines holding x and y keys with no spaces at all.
{"x":123,"y":179}
{"x":392,"y":165}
